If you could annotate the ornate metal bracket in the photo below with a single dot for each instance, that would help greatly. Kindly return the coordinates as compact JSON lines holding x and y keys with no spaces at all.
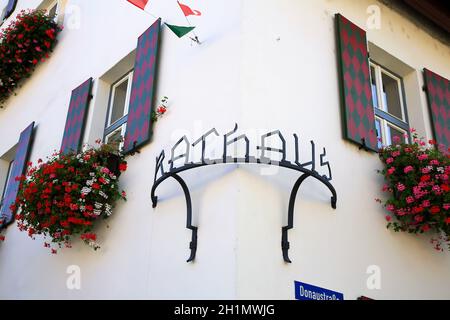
{"x":187,"y":195}
{"x":297,"y":166}
{"x":284,"y":238}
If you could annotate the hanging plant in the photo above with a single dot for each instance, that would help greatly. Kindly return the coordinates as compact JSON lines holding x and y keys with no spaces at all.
{"x":417,"y":184}
{"x":160,"y":110}
{"x":27,"y":41}
{"x":66,"y":196}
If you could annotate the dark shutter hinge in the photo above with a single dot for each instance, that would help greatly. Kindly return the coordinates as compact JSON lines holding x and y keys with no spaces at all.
{"x":134,"y":149}
{"x":363,"y":145}
{"x":424,"y":88}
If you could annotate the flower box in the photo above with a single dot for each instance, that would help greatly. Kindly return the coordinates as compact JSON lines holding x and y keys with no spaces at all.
{"x":67,"y":195}
{"x":417,"y":183}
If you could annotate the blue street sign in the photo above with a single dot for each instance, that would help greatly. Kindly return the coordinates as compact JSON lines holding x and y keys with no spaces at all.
{"x":304,"y":291}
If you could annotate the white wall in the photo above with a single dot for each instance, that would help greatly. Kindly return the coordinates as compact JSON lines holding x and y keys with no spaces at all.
{"x":290,"y":82}
{"x":266,"y":65}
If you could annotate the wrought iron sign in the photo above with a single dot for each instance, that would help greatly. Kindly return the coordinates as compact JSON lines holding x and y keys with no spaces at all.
{"x":306,"y":170}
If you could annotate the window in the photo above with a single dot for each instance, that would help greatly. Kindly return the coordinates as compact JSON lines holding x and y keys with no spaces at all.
{"x":7,"y":7}
{"x":391,"y":120}
{"x":116,"y":122}
{"x":53,"y":10}
{"x":5,"y":184}
{"x":3,"y":6}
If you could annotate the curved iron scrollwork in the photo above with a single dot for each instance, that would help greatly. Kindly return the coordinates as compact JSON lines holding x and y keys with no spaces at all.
{"x":283,"y":163}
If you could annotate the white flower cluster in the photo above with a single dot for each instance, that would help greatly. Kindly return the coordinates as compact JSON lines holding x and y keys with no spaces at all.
{"x":104,"y":195}
{"x":86,"y":190}
{"x":108,"y":209}
{"x":90,"y":182}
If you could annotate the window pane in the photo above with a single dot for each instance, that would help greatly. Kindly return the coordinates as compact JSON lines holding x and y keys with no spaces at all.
{"x":118,"y":107}
{"x":52,"y":11}
{"x":115,"y":139}
{"x":374,"y":87}
{"x":379,"y":133}
{"x":391,"y":96}
{"x":8,"y":176}
{"x":394,"y":135}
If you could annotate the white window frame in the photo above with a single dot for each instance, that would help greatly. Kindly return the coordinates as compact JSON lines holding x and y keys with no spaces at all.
{"x":122,"y":129}
{"x":128,"y":77}
{"x":121,"y":123}
{"x":385,"y":124}
{"x":385,"y":118}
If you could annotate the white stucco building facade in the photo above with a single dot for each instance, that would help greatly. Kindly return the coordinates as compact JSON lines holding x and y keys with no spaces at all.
{"x":265,"y":65}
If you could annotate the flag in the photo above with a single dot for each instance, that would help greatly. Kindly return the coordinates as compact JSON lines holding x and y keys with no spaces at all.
{"x":188,"y":11}
{"x":179,"y":31}
{"x":139,"y":3}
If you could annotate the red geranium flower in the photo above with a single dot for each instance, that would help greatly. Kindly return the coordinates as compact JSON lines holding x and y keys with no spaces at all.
{"x":435,"y":209}
{"x":162,"y":110}
{"x":123,"y":166}
{"x":50,"y":33}
{"x":89,"y":236}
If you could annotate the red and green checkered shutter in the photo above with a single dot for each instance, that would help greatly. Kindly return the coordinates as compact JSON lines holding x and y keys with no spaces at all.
{"x":76,"y":117}
{"x":438,"y":92}
{"x":354,"y":74}
{"x":143,"y":89}
{"x":18,"y":169}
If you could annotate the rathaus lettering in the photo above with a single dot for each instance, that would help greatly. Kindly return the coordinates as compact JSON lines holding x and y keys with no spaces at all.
{"x":182,"y":151}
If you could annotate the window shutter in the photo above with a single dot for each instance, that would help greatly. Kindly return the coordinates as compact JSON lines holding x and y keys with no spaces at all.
{"x":76,"y":117}
{"x":18,"y":169}
{"x":438,"y":92}
{"x":143,"y":89}
{"x":356,"y":93}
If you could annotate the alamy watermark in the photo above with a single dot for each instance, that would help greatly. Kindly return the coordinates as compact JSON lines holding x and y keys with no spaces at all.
{"x":73,"y":282}
{"x":374,"y":280}
{"x":373,"y":21}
